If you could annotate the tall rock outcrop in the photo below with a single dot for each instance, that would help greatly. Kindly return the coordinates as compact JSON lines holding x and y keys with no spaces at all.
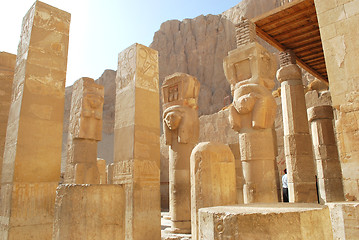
{"x":197,"y":47}
{"x":250,"y":9}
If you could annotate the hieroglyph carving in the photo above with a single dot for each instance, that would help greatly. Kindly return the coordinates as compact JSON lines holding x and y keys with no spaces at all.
{"x":143,"y":63}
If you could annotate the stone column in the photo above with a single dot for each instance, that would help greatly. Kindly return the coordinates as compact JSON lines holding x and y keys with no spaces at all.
{"x":7,"y":67}
{"x":213,"y":179}
{"x":337,"y":23}
{"x":297,"y":141}
{"x":137,"y":140}
{"x":101,"y":166}
{"x":329,"y":174}
{"x":109,"y":171}
{"x":32,"y":156}
{"x":250,"y":69}
{"x":181,"y":129}
{"x":85,"y":131}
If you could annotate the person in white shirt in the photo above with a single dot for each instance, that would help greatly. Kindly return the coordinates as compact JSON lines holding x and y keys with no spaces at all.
{"x":285,"y":186}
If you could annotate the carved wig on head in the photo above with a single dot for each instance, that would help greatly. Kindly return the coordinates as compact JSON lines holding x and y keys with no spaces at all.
{"x":180,"y":95}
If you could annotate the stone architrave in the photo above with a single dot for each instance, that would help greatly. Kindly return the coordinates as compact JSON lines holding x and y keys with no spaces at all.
{"x":32,"y":155}
{"x":102,"y":170}
{"x":213,"y":179}
{"x":329,"y":175}
{"x":85,"y":131}
{"x":297,"y":141}
{"x":181,"y":129}
{"x":7,"y":67}
{"x":137,"y":140}
{"x":265,"y":221}
{"x":250,"y":69}
{"x":95,"y":212}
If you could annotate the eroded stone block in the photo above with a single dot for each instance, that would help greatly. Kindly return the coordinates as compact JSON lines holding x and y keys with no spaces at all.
{"x":345,"y":220}
{"x":213,"y":179}
{"x":85,"y":130}
{"x":265,"y":221}
{"x":90,"y":212}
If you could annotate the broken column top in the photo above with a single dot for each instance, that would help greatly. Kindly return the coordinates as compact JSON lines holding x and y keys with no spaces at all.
{"x":86,"y":109}
{"x":245,"y":32}
{"x":289,"y":69}
{"x":180,"y":89}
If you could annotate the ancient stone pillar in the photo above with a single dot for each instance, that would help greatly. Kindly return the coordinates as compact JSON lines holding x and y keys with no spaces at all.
{"x":213,"y":179}
{"x":109,"y":171}
{"x":7,"y":67}
{"x":32,"y":155}
{"x":345,"y":219}
{"x":297,"y":141}
{"x":101,"y":166}
{"x":137,"y":140}
{"x":250,"y":69}
{"x":85,"y":131}
{"x":339,"y":38}
{"x":181,"y":129}
{"x":329,"y":174}
{"x":95,"y":212}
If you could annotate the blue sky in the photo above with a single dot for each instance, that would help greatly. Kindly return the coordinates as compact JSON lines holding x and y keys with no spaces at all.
{"x":101,"y":29}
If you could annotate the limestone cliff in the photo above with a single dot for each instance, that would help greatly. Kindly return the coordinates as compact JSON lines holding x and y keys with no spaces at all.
{"x":197,"y":47}
{"x":250,"y":9}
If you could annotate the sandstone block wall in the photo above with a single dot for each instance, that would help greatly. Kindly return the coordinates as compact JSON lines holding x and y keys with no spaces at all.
{"x":338,"y":28}
{"x":94,"y":212}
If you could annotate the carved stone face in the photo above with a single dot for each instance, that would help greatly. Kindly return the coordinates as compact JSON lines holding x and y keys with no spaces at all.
{"x":93,"y":104}
{"x":173,"y":120}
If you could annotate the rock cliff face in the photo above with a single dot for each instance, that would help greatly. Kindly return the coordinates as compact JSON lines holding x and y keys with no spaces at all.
{"x":197,"y":47}
{"x":250,"y":9}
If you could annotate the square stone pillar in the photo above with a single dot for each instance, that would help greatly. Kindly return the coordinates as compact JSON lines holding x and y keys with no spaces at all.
{"x":7,"y":67}
{"x":101,"y":166}
{"x":137,"y":140}
{"x":85,"y":131}
{"x":95,"y":212}
{"x":32,"y":156}
{"x":339,"y":34}
{"x":297,"y":140}
{"x":329,"y":174}
{"x":345,"y":220}
{"x":213,"y":179}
